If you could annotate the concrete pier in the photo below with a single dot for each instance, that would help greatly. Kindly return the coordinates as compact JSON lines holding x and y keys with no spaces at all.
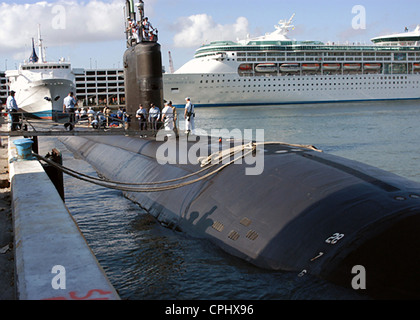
{"x":52,"y":260}
{"x":7,"y":286}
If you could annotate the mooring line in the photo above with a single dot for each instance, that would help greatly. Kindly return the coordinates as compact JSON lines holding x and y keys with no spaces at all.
{"x":126,"y":186}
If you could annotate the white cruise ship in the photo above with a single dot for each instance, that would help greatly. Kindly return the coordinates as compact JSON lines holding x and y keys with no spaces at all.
{"x":41,"y":86}
{"x":274,"y":69}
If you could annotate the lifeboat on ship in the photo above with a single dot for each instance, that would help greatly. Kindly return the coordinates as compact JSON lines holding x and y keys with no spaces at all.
{"x":290,"y":67}
{"x":331,"y":66}
{"x":372,"y":66}
{"x":352,"y":66}
{"x":266,"y":67}
{"x":310,"y":66}
{"x":245,"y":67}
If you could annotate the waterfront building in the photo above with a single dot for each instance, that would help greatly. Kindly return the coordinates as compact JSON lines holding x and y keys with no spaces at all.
{"x":97,"y":87}
{"x":4,"y":87}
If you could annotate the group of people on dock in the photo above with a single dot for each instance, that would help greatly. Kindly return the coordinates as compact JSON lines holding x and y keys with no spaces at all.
{"x":101,"y":118}
{"x":151,"y":119}
{"x":154,"y":118}
{"x":106,"y":116}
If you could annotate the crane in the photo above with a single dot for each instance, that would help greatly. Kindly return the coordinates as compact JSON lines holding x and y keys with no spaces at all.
{"x":171,"y":64}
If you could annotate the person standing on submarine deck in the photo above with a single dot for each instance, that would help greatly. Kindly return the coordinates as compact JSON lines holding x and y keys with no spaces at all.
{"x":139,"y":30}
{"x":154,"y":115}
{"x":189,"y":116}
{"x":141,"y":116}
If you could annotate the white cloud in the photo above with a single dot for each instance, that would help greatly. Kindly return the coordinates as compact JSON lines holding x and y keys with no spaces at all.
{"x":62,"y":23}
{"x":201,"y":28}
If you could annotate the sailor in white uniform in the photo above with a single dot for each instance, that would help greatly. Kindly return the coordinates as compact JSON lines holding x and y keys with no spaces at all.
{"x":168,"y":117}
{"x":189,"y":116}
{"x":146,"y":29}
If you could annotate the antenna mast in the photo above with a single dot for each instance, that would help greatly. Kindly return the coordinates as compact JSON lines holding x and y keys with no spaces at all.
{"x":40,"y":46}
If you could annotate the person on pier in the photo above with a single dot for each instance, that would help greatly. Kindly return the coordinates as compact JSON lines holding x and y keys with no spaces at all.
{"x":69,"y":107}
{"x":12,"y":108}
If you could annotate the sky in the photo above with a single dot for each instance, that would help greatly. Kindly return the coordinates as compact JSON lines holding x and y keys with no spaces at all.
{"x":90,"y":33}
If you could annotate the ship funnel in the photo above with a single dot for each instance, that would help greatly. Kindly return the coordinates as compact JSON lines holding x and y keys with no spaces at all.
{"x":33,"y":58}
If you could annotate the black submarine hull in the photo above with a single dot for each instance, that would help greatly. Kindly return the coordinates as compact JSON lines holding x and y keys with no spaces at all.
{"x":307,"y":212}
{"x":143,"y":77}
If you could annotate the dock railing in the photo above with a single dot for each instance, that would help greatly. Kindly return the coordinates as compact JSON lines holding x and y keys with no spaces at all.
{"x":23,"y":123}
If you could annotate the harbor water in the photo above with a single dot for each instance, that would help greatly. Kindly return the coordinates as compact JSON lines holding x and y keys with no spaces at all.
{"x":145,"y":261}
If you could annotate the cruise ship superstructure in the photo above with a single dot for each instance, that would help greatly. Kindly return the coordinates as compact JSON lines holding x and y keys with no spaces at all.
{"x":41,"y":86}
{"x":274,"y":69}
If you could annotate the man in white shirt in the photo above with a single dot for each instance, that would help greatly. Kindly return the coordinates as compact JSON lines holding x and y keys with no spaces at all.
{"x":83,"y":113}
{"x":168,"y":117}
{"x":189,"y":116}
{"x":146,"y":29}
{"x":154,"y":115}
{"x":91,"y":114}
{"x":141,"y":115}
{"x":12,"y":108}
{"x":69,"y":107}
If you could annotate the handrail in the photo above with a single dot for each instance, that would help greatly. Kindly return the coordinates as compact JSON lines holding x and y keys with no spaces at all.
{"x":27,"y":123}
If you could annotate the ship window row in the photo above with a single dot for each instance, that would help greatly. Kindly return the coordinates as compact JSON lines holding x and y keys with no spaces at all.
{"x":326,"y":54}
{"x":326,"y":84}
{"x":323,"y":89}
{"x":317,"y":59}
{"x":325,"y":49}
{"x":298,"y":78}
{"x":44,"y":67}
{"x":99,"y":79}
{"x":102,"y":72}
{"x":100,"y":90}
{"x":397,"y":56}
{"x":330,"y":89}
{"x":372,"y":55}
{"x":94,"y":84}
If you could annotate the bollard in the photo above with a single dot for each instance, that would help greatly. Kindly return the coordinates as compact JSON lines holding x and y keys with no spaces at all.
{"x":24,"y":149}
{"x":55,"y":175}
{"x":35,"y":144}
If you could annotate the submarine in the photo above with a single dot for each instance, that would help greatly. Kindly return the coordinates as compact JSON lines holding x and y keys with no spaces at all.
{"x":305,"y":212}
{"x":308,"y":212}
